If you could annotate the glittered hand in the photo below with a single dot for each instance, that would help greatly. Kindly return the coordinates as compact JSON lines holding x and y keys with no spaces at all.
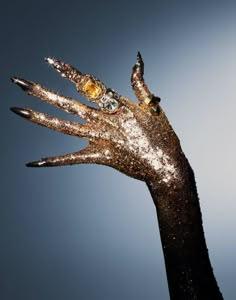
{"x":135,"y":139}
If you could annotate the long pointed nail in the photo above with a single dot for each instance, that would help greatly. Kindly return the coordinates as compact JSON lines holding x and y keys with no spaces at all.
{"x":25,"y":113}
{"x":36,"y":164}
{"x":65,"y":70}
{"x":52,"y":61}
{"x":58,"y":65}
{"x":139,"y":59}
{"x":26,"y":85}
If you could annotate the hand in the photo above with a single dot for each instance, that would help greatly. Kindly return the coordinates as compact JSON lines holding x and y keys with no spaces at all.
{"x":135,"y":139}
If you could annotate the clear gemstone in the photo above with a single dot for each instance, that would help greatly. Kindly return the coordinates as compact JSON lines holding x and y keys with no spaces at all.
{"x":109,"y":103}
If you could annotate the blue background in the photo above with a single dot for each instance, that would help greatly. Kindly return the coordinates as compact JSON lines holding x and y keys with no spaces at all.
{"x":90,"y":232}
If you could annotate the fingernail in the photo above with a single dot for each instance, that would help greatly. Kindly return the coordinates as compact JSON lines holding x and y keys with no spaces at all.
{"x":50,"y":60}
{"x":25,"y":113}
{"x":24,"y":84}
{"x":36,"y":164}
{"x":55,"y":63}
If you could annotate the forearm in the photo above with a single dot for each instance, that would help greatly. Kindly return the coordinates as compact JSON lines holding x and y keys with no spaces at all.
{"x":188,"y":267}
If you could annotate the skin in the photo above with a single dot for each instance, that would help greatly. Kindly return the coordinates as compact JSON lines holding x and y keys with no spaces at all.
{"x":138,"y":140}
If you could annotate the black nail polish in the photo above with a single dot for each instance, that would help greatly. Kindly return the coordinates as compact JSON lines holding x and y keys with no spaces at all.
{"x":24,"y":84}
{"x":25,"y":113}
{"x":36,"y":164}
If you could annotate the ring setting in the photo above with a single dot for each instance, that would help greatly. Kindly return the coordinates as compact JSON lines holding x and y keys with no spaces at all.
{"x":109,"y":101}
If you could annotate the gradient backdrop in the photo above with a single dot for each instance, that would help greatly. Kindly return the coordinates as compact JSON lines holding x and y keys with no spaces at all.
{"x":88,"y":232}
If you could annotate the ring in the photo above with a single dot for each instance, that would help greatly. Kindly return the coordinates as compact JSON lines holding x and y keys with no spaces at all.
{"x":109,"y":101}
